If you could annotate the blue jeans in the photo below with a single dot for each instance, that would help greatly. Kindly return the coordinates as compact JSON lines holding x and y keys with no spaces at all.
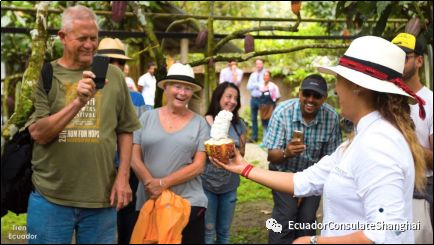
{"x":51,"y":223}
{"x":254,"y":107}
{"x":218,"y":216}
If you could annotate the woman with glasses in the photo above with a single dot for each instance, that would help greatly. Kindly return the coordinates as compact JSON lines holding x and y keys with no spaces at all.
{"x":169,"y":151}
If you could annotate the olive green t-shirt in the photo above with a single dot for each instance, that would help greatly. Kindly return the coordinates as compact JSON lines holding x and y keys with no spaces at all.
{"x":77,"y":168}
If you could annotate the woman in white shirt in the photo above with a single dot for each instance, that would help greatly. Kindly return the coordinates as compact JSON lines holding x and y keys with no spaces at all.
{"x":367,"y":183}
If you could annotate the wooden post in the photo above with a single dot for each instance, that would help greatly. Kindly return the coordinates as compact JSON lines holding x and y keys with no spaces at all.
{"x":184,"y":50}
{"x":209,"y":83}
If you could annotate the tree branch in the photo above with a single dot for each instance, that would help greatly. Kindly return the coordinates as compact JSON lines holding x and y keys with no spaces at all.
{"x":145,"y":23}
{"x":178,"y":22}
{"x":245,"y":57}
{"x":9,"y":87}
{"x":240,"y":33}
{"x":31,"y":76}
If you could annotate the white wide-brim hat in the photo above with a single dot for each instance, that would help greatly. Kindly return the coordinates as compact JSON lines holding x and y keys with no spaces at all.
{"x":376,"y":64}
{"x":374,"y":52}
{"x":113,"y":48}
{"x":179,"y":73}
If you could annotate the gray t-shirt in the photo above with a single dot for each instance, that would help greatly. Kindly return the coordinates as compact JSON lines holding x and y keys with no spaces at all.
{"x":218,"y":180}
{"x":165,"y":153}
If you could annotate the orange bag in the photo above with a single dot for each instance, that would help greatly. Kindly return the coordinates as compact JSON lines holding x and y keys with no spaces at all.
{"x":162,"y":221}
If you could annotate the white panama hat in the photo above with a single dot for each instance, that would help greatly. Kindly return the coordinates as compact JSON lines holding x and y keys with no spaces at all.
{"x":180,"y":73}
{"x":375,"y":64}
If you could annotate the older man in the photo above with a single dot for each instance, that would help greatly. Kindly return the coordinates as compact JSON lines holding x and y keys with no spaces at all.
{"x":76,"y":128}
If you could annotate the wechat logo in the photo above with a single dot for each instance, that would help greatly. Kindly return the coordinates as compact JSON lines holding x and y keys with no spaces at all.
{"x":272,"y":224}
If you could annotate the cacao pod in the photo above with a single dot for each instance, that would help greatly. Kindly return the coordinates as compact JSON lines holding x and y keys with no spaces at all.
{"x":358,"y":21}
{"x":249,"y":43}
{"x":345,"y":32}
{"x":201,"y":39}
{"x":211,"y":62}
{"x":222,"y":150}
{"x":118,"y":10}
{"x":413,"y":27}
{"x":295,"y":7}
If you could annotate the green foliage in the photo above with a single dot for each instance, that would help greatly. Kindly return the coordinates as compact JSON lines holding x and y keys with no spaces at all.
{"x":249,"y":190}
{"x":8,"y":222}
{"x":358,"y":12}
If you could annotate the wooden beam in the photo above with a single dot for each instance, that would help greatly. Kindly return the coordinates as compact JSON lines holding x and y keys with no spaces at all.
{"x":204,"y":17}
{"x":177,"y":35}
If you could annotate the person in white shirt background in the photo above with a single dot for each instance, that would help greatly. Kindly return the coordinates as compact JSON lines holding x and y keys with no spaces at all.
{"x":369,"y":179}
{"x":422,"y":201}
{"x":147,"y":86}
{"x":231,"y":74}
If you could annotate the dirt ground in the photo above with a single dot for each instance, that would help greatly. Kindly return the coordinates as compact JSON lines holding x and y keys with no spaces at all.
{"x":248,"y":226}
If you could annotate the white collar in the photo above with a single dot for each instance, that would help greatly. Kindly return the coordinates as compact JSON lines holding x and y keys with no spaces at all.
{"x":367,"y":120}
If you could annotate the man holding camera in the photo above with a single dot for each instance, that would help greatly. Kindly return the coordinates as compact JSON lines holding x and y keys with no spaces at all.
{"x":301,"y":131}
{"x":75,"y":128}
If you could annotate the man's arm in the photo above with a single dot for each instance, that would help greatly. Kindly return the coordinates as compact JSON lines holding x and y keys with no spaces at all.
{"x":121,"y":190}
{"x":141,"y":83}
{"x":292,"y":150}
{"x":251,"y":83}
{"x":46,"y":129}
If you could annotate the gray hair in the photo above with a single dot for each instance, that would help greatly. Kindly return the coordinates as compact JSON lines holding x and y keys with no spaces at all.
{"x":77,"y":12}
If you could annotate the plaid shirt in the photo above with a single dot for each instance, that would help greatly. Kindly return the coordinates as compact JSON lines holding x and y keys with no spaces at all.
{"x":321,"y":136}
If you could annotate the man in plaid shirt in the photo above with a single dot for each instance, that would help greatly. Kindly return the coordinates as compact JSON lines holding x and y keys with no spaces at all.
{"x":319,"y":123}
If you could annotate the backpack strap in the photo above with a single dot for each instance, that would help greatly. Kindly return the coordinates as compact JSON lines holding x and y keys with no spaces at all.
{"x":47,"y":76}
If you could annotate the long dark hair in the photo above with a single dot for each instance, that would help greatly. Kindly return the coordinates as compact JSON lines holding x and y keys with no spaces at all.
{"x":214,"y":108}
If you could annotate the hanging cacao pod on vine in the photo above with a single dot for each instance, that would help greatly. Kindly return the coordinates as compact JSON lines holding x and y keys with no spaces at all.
{"x":295,"y":7}
{"x":211,"y":62}
{"x":118,"y":10}
{"x":413,"y":27}
{"x":201,"y":39}
{"x":249,"y":43}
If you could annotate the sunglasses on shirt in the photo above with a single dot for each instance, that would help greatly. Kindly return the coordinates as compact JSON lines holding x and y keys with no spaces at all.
{"x":309,"y":93}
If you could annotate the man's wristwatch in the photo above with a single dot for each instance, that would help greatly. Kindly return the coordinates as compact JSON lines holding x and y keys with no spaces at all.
{"x":313,"y":240}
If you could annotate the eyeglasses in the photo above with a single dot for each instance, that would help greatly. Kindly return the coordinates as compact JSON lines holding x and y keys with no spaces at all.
{"x":185,"y":88}
{"x":408,"y":56}
{"x":309,"y":93}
